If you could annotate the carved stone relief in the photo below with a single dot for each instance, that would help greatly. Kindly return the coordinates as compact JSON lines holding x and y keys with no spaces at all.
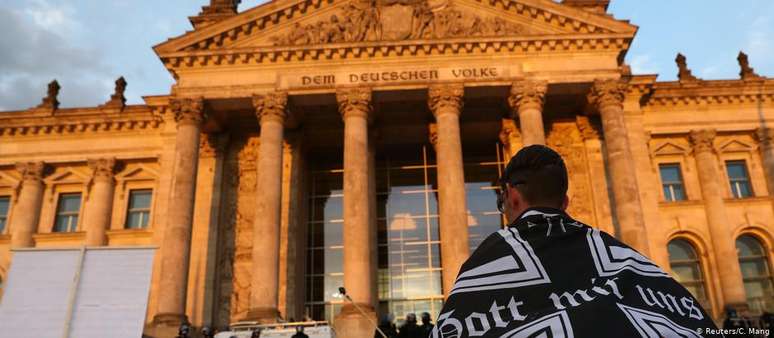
{"x":397,"y":20}
{"x":234,"y":257}
{"x":566,"y":139}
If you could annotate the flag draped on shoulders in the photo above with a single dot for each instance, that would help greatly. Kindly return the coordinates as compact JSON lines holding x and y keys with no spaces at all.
{"x":548,"y":275}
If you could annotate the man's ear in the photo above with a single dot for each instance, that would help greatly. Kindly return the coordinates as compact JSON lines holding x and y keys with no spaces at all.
{"x":565,"y":202}
{"x":514,"y":197}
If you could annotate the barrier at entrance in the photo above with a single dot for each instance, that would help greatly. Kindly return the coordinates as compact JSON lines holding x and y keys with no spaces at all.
{"x":279,"y":330}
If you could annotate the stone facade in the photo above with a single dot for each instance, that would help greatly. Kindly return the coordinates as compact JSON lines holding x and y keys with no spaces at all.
{"x":263,"y":95}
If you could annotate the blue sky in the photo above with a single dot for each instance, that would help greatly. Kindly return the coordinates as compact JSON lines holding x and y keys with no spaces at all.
{"x":87,"y":44}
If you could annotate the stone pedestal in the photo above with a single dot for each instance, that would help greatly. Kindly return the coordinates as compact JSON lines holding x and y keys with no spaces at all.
{"x":27,"y":211}
{"x":722,"y":238}
{"x":100,"y":206}
{"x":445,"y":101}
{"x":608,"y":96}
{"x":526,"y":100}
{"x":271,"y":110}
{"x":176,"y":245}
{"x":359,"y":244}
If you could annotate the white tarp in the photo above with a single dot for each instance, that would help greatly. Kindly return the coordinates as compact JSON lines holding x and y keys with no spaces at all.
{"x":36,"y":293}
{"x":110,"y":296}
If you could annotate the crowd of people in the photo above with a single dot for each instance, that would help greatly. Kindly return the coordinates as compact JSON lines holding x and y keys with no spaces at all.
{"x":409,"y":329}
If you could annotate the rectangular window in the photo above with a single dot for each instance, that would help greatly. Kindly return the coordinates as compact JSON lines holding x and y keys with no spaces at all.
{"x":67,"y":210}
{"x":138,"y":212}
{"x":739,"y":179}
{"x":5,"y":206}
{"x":672,"y":182}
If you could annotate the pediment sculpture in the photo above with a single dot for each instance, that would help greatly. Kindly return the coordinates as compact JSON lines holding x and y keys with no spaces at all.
{"x":380,"y":20}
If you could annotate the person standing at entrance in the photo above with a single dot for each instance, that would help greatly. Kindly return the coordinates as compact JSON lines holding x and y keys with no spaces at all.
{"x":410,"y":329}
{"x":300,"y":333}
{"x":548,"y":274}
{"x":427,"y":325}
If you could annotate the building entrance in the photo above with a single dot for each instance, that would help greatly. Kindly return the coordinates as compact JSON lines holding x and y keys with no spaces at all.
{"x":409,"y":260}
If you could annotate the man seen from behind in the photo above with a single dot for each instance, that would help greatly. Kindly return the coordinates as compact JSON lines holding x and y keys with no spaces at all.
{"x":549,"y":275}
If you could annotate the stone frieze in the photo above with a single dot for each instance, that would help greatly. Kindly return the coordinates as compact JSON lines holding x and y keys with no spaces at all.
{"x":398,"y":20}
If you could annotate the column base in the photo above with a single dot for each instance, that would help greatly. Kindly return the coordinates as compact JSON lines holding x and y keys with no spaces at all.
{"x":165,"y":325}
{"x":170,"y":319}
{"x":350,"y":323}
{"x":262,"y":315}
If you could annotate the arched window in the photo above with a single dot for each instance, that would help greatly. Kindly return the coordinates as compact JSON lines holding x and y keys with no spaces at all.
{"x":686,"y":269}
{"x":755,"y":273}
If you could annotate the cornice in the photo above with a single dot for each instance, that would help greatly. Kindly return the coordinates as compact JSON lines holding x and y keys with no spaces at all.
{"x":412,"y":48}
{"x":640,"y":85}
{"x":79,"y":120}
{"x":54,"y":237}
{"x":275,"y":13}
{"x":715,"y":85}
{"x":712,"y":93}
{"x":128,"y":234}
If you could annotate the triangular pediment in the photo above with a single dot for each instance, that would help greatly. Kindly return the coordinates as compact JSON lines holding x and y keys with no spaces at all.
{"x":137,"y":172}
{"x":8,"y":180}
{"x":65,"y":176}
{"x":733,"y":146}
{"x":669,"y":148}
{"x":293,"y":23}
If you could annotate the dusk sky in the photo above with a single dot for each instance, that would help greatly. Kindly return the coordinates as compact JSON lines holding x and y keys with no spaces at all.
{"x":87,"y":44}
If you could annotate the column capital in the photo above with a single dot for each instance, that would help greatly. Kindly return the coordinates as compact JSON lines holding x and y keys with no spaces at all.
{"x":445,"y":98}
{"x":432,"y":132}
{"x":188,"y":110}
{"x":102,"y":168}
{"x":271,"y":106}
{"x":587,"y":129}
{"x":764,"y":136}
{"x":527,"y":94}
{"x":702,"y":140}
{"x":607,"y":93}
{"x":31,"y":171}
{"x":355,"y":101}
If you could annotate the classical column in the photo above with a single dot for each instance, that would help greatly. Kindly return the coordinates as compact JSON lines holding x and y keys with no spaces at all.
{"x":176,"y":244}
{"x":722,"y":237}
{"x":355,"y":108}
{"x":271,"y":110}
{"x":445,"y":101}
{"x":204,"y":235}
{"x":510,"y":137}
{"x":293,"y":228}
{"x":97,"y":217}
{"x":526,"y":101}
{"x":373,"y":136}
{"x":608,"y":96}
{"x":766,"y":141}
{"x":27,"y":211}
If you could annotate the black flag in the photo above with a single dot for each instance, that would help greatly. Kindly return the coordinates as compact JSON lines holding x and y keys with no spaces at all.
{"x":548,"y":275}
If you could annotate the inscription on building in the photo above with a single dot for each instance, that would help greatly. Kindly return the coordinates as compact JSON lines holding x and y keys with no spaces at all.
{"x":394,"y":76}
